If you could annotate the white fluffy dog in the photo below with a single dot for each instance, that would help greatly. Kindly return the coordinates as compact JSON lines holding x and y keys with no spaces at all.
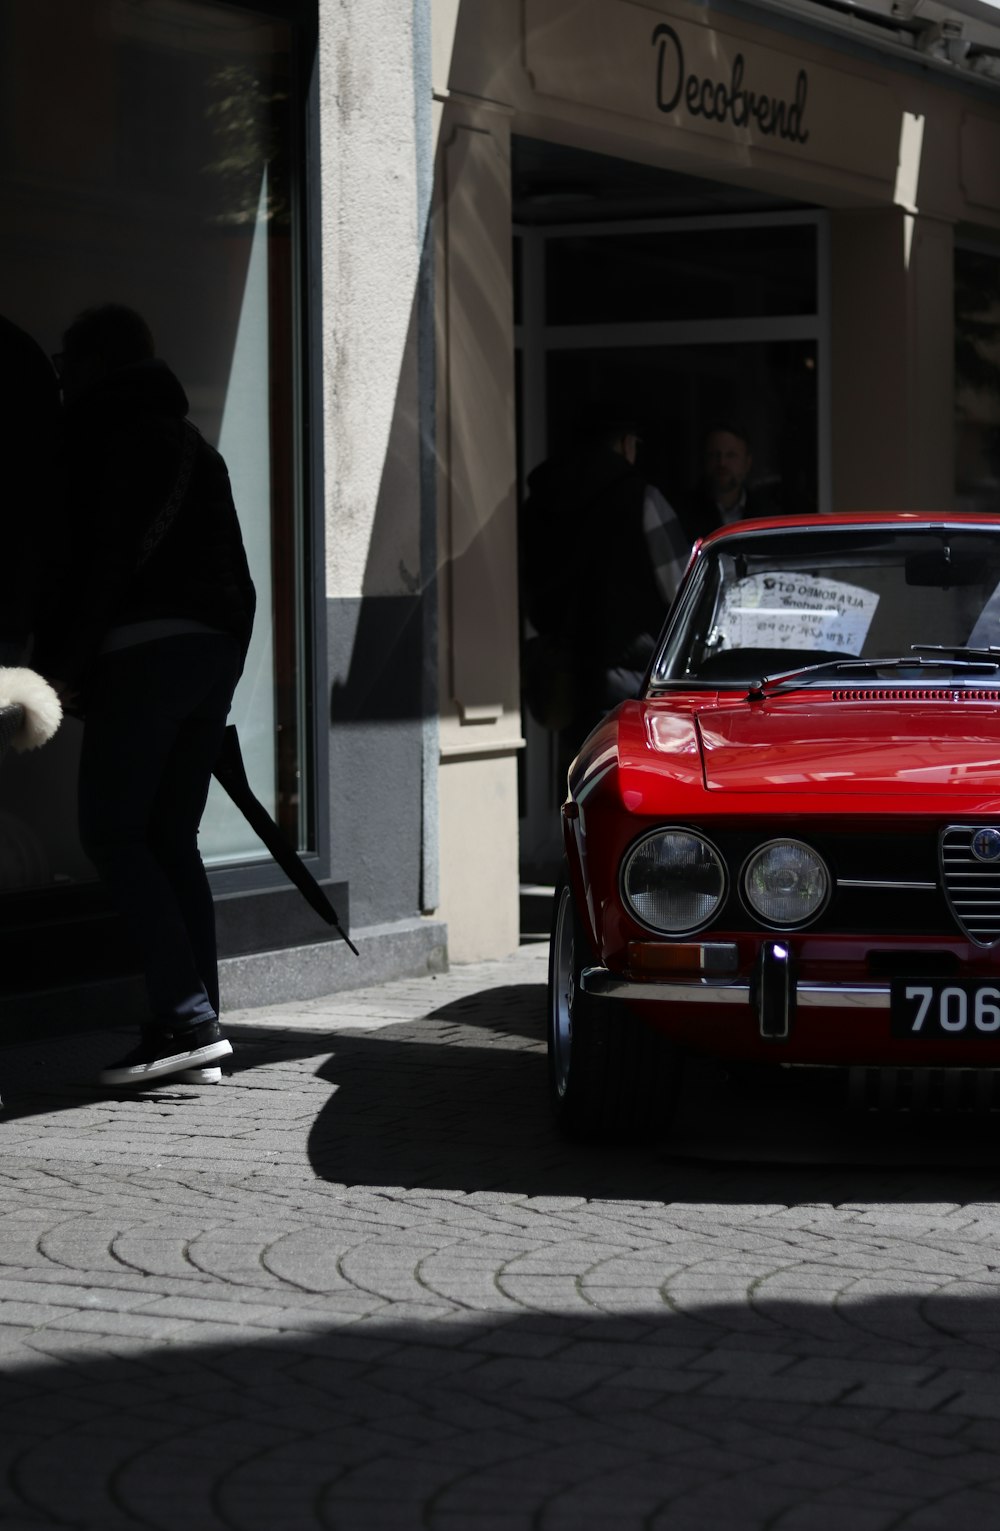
{"x":42,"y":707}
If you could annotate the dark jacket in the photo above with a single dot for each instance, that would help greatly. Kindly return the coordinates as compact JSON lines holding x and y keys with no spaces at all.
{"x":588,"y":573}
{"x":622,"y":608}
{"x":699,"y":514}
{"x":122,"y":451}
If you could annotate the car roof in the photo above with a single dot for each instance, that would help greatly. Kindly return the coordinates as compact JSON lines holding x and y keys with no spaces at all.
{"x":873,"y":518}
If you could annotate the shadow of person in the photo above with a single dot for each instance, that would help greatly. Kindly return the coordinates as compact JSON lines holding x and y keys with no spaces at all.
{"x":29,"y":412}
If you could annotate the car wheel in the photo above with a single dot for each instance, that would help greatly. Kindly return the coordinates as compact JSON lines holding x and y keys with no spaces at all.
{"x":611,"y":1077}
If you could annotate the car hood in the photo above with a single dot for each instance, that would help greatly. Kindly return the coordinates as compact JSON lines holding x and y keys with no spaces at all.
{"x":854,"y":747}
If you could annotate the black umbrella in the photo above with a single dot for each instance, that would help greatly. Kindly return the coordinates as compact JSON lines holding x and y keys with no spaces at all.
{"x":230,"y":772}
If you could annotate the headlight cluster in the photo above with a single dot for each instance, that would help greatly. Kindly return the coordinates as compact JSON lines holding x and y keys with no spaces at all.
{"x":675,"y":881}
{"x":785,"y":883}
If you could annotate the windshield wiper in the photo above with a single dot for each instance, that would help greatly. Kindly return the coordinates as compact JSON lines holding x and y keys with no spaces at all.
{"x":960,"y":651}
{"x":768,"y":685}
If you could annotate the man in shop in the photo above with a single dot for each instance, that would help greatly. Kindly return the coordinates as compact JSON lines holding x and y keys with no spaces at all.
{"x":146,"y":635}
{"x":724,"y":494}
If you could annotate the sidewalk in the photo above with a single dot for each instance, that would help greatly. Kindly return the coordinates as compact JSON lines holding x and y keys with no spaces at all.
{"x":362,"y":1284}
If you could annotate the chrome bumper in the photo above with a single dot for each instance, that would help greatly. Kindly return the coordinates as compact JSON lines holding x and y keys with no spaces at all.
{"x":708,"y":991}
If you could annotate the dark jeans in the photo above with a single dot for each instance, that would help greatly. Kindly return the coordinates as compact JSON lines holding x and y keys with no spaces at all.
{"x":155,"y":719}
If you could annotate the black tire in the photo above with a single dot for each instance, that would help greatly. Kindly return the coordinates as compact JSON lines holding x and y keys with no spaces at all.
{"x":611,"y":1077}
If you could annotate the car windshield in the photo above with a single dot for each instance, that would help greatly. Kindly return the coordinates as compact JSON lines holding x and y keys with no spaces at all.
{"x":776,"y":601}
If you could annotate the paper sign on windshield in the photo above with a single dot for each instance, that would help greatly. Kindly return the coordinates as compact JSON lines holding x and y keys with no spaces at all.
{"x":796,"y":611}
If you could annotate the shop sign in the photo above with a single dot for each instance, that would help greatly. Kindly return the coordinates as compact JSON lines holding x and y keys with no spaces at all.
{"x":685,"y":68}
{"x":732,"y":99}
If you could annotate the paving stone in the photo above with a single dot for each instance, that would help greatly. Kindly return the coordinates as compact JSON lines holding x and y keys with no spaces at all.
{"x":363,"y":1284}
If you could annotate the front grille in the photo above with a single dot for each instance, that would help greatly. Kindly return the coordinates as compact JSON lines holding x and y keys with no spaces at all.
{"x":866,"y":854}
{"x":916,"y":878}
{"x":972,"y":887}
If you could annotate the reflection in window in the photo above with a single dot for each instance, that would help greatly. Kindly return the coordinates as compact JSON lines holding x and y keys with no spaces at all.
{"x":146,"y":159}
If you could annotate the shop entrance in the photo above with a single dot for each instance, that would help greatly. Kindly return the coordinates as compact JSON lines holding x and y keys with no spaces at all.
{"x":677,"y":303}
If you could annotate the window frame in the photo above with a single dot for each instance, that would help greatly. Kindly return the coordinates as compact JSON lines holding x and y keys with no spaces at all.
{"x":534,"y":338}
{"x":308,"y":591}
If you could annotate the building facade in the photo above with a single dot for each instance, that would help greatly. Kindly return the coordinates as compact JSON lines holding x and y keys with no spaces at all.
{"x":393,"y":249}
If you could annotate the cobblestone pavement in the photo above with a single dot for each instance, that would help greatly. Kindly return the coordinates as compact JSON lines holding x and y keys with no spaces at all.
{"x":362,"y":1285}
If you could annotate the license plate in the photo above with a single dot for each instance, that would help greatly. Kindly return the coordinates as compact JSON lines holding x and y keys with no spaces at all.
{"x":936,"y":1008}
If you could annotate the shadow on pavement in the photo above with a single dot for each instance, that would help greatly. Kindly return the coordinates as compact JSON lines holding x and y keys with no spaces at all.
{"x":406,"y":1114}
{"x":738,"y":1417}
{"x":457,"y":1100}
{"x":702,"y":1370}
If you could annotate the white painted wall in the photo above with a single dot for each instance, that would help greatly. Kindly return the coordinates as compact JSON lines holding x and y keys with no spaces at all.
{"x":371,"y":241}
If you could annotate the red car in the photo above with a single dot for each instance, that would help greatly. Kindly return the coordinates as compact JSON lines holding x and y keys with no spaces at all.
{"x":788,"y":849}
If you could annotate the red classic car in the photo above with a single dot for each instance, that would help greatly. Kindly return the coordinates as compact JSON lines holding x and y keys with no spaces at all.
{"x":788,"y":848}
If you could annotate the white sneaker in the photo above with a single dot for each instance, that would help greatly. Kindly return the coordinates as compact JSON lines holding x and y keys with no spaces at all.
{"x":169,"y":1055}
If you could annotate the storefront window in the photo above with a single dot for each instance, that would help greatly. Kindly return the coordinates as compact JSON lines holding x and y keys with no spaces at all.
{"x":660,"y":275}
{"x":680,"y":324}
{"x":148,"y":159}
{"x":977,"y":378}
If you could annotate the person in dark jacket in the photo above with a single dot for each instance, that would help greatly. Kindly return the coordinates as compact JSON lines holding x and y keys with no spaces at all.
{"x":621,"y":605}
{"x":602,"y":555}
{"x":148,"y":636}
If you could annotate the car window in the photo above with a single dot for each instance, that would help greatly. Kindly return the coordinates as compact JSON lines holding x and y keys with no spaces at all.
{"x":773,"y":601}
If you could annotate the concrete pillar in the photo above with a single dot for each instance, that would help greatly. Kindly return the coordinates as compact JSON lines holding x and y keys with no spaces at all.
{"x":375,"y":154}
{"x":477,"y":519}
{"x":892,"y":361}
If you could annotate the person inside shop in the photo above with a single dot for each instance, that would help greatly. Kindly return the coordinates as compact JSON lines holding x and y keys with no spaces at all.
{"x":724,"y":493}
{"x":602,"y":557}
{"x":146,"y":636}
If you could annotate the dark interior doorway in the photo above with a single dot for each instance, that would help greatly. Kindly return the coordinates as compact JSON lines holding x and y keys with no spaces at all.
{"x":678,"y":302}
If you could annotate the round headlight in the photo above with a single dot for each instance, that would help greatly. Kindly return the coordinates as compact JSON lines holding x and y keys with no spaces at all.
{"x":786,"y":883}
{"x":674,"y":881}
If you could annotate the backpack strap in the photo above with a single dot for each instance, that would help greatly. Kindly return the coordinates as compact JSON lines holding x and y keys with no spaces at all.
{"x":167,"y":514}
